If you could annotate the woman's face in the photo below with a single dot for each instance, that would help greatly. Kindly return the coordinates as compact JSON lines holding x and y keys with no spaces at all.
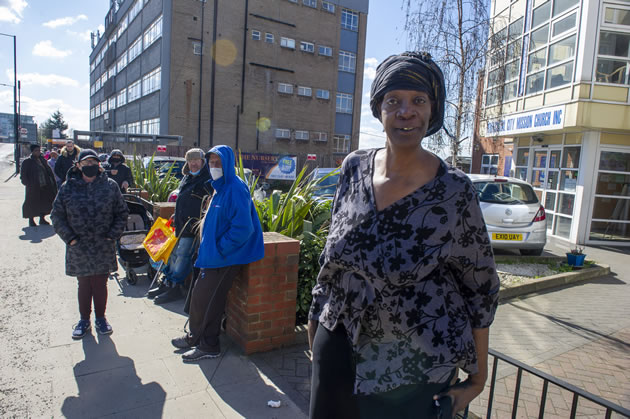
{"x":406,"y":115}
{"x":195,"y":165}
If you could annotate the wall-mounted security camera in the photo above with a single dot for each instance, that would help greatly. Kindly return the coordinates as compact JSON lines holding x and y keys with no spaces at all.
{"x":538,"y":138}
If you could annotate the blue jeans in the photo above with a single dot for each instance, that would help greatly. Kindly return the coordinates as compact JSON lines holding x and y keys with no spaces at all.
{"x":180,"y":263}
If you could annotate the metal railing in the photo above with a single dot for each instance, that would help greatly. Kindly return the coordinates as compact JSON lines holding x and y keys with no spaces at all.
{"x":577,"y":392}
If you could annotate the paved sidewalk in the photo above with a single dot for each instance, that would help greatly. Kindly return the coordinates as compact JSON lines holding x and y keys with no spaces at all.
{"x":133,"y":373}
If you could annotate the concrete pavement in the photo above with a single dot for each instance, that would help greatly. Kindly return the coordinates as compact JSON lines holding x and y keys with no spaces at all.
{"x":135,"y":372}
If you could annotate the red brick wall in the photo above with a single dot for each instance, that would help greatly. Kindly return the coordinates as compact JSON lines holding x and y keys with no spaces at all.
{"x":490,"y":146}
{"x":261,"y":304}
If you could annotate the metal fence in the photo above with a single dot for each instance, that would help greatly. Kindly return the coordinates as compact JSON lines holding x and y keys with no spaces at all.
{"x":577,"y":393}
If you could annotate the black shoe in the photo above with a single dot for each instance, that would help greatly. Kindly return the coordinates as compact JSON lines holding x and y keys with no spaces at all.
{"x":31,"y":223}
{"x":197,"y":354}
{"x":160,"y":289}
{"x":43,"y":222}
{"x":181,"y":342}
{"x":172,"y":294}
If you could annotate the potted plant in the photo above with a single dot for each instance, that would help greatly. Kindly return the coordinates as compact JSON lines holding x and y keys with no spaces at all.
{"x":576,"y":257}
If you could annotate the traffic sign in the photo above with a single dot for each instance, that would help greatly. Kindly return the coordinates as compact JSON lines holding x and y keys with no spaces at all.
{"x":161,"y":148}
{"x":311,"y":157}
{"x":23,"y":131}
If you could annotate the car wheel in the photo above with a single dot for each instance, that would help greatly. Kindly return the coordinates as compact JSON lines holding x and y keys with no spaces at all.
{"x":531,"y":252}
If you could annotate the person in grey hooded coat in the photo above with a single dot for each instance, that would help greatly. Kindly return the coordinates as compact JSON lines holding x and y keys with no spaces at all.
{"x":89,"y":215}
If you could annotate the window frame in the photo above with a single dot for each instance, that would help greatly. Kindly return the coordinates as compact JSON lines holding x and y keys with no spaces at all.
{"x":288,"y":43}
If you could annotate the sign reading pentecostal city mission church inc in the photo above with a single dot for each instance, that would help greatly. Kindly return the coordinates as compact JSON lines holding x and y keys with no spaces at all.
{"x":534,"y":121}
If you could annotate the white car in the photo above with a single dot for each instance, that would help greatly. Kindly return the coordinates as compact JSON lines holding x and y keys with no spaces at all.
{"x":514,"y":217}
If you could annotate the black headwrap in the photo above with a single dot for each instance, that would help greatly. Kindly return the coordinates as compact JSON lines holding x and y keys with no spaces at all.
{"x":34,"y":147}
{"x":410,"y":71}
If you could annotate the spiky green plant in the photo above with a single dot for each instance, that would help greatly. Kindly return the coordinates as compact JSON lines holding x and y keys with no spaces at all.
{"x":158,"y":185}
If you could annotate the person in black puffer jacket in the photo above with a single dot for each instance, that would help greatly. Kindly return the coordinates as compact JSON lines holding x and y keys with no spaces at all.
{"x":89,"y":215}
{"x":119,"y":171}
{"x":194,"y":187}
{"x":68,"y":156}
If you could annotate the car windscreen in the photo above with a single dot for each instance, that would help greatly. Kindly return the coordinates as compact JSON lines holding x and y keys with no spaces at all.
{"x":166,"y":165}
{"x":327,"y":186}
{"x":507,"y":193}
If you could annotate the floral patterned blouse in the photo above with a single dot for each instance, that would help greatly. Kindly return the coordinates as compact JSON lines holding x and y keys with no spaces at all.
{"x":409,"y":282}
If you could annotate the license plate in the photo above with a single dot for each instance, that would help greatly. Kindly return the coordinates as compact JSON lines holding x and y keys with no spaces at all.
{"x":507,"y":236}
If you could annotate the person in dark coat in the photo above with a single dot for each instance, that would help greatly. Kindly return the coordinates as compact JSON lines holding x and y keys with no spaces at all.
{"x":90,"y":214}
{"x":41,"y":187}
{"x":119,"y":171}
{"x":193,"y":189}
{"x":67,"y":158}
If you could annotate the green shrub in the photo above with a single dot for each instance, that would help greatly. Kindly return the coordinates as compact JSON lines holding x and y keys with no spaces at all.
{"x":311,"y":247}
{"x":158,"y":185}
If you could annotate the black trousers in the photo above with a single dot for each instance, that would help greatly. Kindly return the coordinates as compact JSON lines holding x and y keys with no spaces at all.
{"x":207,"y":305}
{"x":332,"y":386}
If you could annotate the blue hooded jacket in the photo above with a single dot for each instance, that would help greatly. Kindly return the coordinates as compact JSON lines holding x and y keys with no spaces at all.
{"x":231,"y":234}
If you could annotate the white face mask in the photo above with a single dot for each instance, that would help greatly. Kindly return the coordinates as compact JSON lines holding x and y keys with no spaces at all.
{"x":216,"y":173}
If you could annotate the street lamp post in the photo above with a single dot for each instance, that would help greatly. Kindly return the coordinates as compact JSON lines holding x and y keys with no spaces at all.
{"x":15,"y":111}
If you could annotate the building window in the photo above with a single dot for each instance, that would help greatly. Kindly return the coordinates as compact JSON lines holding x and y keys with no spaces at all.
{"x":135,"y":49}
{"x":489,"y":164}
{"x":349,"y":20}
{"x":97,"y":110}
{"x":111,"y":72}
{"x":341,"y":144}
{"x":344,"y":103}
{"x":285,"y":88}
{"x":122,"y":26}
{"x":122,"y":128}
{"x":92,"y":89}
{"x":104,"y":107}
{"x":134,"y":128}
{"x":320,"y":136}
{"x":326,"y":51}
{"x":283,"y":133}
{"x":92,"y":67}
{"x":103,"y":78}
{"x":134,"y":10}
{"x":305,"y":91}
{"x":323,"y":94}
{"x":256,"y":35}
{"x":153,"y":33}
{"x":122,"y":62}
{"x":134,"y":91}
{"x":347,"y":61}
{"x":310,"y":3}
{"x":287,"y":43}
{"x":152,"y":81}
{"x":92,"y":113}
{"x":293,"y":1}
{"x":97,"y":84}
{"x":301,"y":135}
{"x":121,"y":99}
{"x":112,"y":103}
{"x":269,"y":38}
{"x":196,"y":47}
{"x":307,"y":47}
{"x":328,"y":7}
{"x":613,"y":58}
{"x":151,"y":126}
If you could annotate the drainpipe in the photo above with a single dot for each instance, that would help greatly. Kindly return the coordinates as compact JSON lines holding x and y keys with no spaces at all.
{"x":198,"y":142}
{"x":214,"y":67}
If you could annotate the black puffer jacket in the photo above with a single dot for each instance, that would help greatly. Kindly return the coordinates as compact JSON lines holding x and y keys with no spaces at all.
{"x":121,"y":172}
{"x":95,"y":214}
{"x":192,"y":191}
{"x":65,"y":161}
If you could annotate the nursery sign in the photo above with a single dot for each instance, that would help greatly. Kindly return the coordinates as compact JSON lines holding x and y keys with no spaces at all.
{"x":271,"y":166}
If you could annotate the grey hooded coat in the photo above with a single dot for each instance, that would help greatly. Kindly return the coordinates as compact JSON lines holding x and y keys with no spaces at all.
{"x":95,"y":214}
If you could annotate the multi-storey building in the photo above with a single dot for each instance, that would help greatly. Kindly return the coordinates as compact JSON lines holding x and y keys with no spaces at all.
{"x":557,"y":86}
{"x":265,"y":76}
{"x":27,"y":125}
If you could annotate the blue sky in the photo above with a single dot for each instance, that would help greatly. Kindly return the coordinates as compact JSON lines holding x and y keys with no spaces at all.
{"x":53,"y":46}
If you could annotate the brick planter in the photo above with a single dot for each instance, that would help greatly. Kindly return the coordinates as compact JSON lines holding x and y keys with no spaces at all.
{"x":261,"y":304}
{"x":163,"y":209}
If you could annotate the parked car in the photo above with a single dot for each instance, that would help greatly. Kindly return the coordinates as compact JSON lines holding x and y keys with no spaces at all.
{"x":326,"y":189}
{"x":514,"y":217}
{"x":163,"y":164}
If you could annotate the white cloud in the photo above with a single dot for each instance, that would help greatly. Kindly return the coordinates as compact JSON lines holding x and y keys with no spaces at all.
{"x":41,"y":109}
{"x":371,"y":133}
{"x":64,"y":21}
{"x":11,"y":10}
{"x":46,"y":49}
{"x":369,"y":71}
{"x":48,"y":80}
{"x":84,"y":36}
{"x":101,"y":28}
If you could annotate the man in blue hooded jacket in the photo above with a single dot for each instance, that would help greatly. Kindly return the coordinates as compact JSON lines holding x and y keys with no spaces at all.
{"x":231,"y":236}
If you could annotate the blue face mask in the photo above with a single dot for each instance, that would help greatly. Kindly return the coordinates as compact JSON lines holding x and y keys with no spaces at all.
{"x":195,"y":173}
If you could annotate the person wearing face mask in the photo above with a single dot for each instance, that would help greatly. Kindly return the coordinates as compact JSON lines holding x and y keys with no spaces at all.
{"x":231,"y":236}
{"x":89,"y":215}
{"x":119,"y":171}
{"x":67,"y":158}
{"x":41,"y":187}
{"x":193,"y":189}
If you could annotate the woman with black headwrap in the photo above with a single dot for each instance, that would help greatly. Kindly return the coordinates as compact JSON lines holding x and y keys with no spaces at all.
{"x":408,"y":286}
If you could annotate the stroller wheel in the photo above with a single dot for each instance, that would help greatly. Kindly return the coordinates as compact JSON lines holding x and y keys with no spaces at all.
{"x":132,"y":277}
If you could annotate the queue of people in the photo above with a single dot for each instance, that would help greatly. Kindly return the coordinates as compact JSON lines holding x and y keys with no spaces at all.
{"x":390,"y":326}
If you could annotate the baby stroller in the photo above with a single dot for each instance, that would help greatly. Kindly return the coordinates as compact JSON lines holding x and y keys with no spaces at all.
{"x":130,"y":250}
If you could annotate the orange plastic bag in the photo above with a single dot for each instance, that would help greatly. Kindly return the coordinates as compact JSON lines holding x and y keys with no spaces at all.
{"x":160,"y":241}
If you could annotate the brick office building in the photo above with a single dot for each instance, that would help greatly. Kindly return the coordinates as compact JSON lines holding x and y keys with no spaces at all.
{"x":266,"y":76}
